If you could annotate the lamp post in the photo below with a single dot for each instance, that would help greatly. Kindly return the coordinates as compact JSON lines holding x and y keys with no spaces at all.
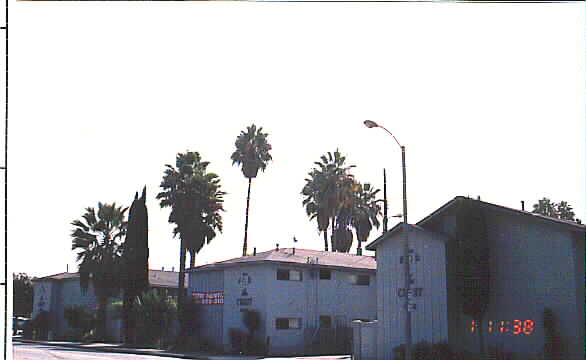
{"x":372,"y":124}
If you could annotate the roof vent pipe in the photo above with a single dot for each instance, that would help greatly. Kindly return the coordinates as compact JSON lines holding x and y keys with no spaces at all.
{"x":277,"y":247}
{"x":293,"y":251}
{"x":522,"y":205}
{"x":254,"y":252}
{"x":163,"y":268}
{"x":172,"y":268}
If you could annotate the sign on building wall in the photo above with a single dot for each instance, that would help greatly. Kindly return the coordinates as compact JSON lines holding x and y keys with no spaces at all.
{"x":208,"y":297}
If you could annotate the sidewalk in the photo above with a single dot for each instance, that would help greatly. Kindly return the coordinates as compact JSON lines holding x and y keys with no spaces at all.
{"x":119,"y":348}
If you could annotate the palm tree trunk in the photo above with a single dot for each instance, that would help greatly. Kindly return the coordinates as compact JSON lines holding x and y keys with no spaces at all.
{"x":326,"y":239}
{"x":244,"y":247}
{"x":102,"y":308}
{"x":181,"y":285}
{"x":129,"y":319}
{"x":332,"y":240}
{"x":191,"y":259}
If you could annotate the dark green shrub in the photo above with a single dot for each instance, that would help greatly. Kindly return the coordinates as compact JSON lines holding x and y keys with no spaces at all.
{"x":426,"y":351}
{"x":40,"y":326}
{"x":81,"y":319}
{"x":552,"y":348}
{"x":237,"y":338}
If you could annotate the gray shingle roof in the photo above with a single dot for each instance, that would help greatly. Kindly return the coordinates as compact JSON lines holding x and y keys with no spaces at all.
{"x":285,"y":255}
{"x":569,"y":224}
{"x":157,"y":278}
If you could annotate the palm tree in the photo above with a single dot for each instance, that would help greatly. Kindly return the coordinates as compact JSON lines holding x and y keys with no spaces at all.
{"x":365,"y":212}
{"x":98,"y":239}
{"x":196,"y":201}
{"x":326,"y":192}
{"x":252,"y":153}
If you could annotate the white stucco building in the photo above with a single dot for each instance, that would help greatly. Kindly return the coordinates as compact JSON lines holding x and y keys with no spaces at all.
{"x":306,"y":298}
{"x":534,"y":263}
{"x":54,"y":293}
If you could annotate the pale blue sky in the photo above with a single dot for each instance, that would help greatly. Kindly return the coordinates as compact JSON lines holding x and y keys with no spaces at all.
{"x":488,"y":100}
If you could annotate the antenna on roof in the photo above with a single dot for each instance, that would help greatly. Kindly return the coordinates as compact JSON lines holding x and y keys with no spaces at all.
{"x":294,"y":242}
{"x":67,"y":268}
{"x":522,"y":205}
{"x":254,"y":252}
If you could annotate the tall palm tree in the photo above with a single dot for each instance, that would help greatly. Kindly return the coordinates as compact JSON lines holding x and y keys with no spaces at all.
{"x":252,"y":153}
{"x":196,"y":202}
{"x":326,"y":192}
{"x":365,"y":212}
{"x":98,"y":240}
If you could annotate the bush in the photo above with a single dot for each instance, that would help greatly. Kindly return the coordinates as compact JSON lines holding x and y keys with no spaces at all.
{"x":237,"y":338}
{"x":426,"y":351}
{"x":40,"y":326}
{"x":81,"y":319}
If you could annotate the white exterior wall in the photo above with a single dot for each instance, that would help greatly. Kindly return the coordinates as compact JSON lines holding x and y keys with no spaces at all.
{"x":233,"y":291}
{"x":532,"y":266}
{"x":311,"y":298}
{"x":429,"y":320}
{"x":211,"y":316}
{"x":272,"y":298}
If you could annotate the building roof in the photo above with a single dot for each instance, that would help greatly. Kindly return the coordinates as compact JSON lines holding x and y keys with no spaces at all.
{"x":157,"y":278}
{"x":301,"y":256}
{"x":399,"y":227}
{"x":570,"y":225}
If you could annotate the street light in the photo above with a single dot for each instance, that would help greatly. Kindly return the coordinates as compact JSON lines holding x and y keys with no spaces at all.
{"x":371,"y":124}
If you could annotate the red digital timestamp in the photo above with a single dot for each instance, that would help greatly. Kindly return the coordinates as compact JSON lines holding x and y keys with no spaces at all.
{"x":514,"y":327}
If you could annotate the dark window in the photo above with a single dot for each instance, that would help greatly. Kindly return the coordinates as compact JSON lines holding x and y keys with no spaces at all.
{"x":363,"y":280}
{"x":294,"y":275}
{"x":325,"y":274}
{"x":325,"y":322}
{"x":282,"y":274}
{"x":288,"y":323}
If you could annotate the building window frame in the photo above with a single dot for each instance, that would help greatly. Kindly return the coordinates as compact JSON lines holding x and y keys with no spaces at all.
{"x":360,"y":279}
{"x":289,"y":275}
{"x":288,"y":323}
{"x":325,"y":274}
{"x":325,"y":322}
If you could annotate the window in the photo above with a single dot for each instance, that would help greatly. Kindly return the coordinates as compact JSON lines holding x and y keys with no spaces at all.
{"x":293,"y":275}
{"x":325,"y":321}
{"x":325,"y":274}
{"x":363,"y":280}
{"x":288,"y":323}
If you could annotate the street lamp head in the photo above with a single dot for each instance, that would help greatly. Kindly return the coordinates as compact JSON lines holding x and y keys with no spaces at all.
{"x":370,"y":124}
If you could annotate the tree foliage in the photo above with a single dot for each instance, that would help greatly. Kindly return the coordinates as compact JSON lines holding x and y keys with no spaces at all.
{"x":561,"y":210}
{"x":338,"y":202}
{"x":97,"y":238}
{"x":252,"y":153}
{"x":196,"y":203}
{"x":135,"y":259}
{"x":23,"y":293}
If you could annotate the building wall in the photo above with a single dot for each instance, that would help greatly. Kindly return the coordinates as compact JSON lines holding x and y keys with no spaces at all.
{"x":428,"y":269}
{"x":533,"y":265}
{"x":272,"y":298}
{"x":310,"y":298}
{"x":211,"y":316}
